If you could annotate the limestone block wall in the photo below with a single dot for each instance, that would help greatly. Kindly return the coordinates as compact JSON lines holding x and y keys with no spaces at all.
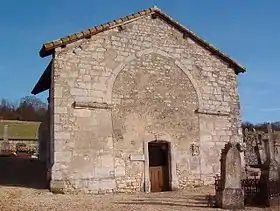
{"x":146,"y":68}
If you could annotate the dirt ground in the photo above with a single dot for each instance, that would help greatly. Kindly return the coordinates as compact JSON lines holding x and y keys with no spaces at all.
{"x":18,"y":198}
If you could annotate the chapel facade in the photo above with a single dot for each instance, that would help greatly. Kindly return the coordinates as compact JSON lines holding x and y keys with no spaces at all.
{"x":137,"y":104}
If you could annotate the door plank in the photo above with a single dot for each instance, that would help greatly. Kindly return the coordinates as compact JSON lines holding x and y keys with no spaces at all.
{"x":157,"y":178}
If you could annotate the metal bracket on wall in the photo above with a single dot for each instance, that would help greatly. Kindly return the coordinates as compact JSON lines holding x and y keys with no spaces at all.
{"x":121,"y":27}
{"x":91,"y":105}
{"x":195,"y":149}
{"x":209,"y":112}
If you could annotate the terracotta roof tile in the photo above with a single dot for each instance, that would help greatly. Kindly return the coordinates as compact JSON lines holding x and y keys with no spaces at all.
{"x":49,"y":47}
{"x":125,"y":19}
{"x":106,"y":25}
{"x":137,"y":15}
{"x":73,"y":37}
{"x":79,"y":35}
{"x":119,"y":20}
{"x":93,"y":30}
{"x":86,"y":32}
{"x":142,"y":12}
{"x":57,"y":42}
{"x":65,"y":39}
{"x":111,"y":23}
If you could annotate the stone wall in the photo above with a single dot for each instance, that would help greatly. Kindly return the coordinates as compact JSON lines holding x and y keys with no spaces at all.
{"x":31,"y":143}
{"x":145,"y":79}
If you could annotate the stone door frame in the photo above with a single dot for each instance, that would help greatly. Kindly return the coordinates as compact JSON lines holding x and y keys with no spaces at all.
{"x":173,"y":179}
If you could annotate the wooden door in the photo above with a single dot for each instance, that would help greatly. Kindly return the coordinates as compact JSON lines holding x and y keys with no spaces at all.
{"x":159,"y":166}
{"x":157,"y":178}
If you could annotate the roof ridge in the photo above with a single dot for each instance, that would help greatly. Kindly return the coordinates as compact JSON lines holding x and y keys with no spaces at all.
{"x":48,"y":48}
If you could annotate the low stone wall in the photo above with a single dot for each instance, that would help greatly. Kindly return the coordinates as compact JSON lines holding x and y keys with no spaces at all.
{"x":11,"y":143}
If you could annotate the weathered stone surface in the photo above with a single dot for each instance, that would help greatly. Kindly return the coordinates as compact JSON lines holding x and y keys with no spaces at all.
{"x":92,"y":105}
{"x":158,"y":84}
{"x":233,"y":169}
{"x":233,"y":199}
{"x":230,"y":194}
{"x":5,"y":133}
{"x":57,"y":186}
{"x":5,"y":146}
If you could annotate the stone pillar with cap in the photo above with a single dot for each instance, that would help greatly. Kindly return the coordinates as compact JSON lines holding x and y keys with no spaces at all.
{"x":6,"y":133}
{"x":273,"y":165}
{"x":230,"y":194}
{"x":269,"y":181}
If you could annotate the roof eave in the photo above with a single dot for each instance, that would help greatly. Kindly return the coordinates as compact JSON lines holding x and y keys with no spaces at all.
{"x":48,"y":48}
{"x":238,"y":70}
{"x":44,"y":81}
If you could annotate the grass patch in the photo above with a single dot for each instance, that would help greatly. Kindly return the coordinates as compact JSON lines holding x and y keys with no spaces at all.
{"x":20,"y":129}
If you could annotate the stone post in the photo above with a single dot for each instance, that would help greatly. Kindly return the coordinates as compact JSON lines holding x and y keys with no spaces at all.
{"x":4,"y":146}
{"x":270,"y":156}
{"x":269,"y":182}
{"x":231,"y":195}
{"x":6,"y":134}
{"x":271,"y":143}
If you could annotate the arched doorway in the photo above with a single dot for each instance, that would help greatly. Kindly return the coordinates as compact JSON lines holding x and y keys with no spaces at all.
{"x":159,"y":166}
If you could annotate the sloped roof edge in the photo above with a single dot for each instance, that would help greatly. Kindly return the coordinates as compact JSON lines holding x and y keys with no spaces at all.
{"x":44,"y":81}
{"x":48,"y":48}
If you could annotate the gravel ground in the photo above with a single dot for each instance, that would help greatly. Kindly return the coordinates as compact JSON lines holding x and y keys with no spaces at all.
{"x":18,"y":198}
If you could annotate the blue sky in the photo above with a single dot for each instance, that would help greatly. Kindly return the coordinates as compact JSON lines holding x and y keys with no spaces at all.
{"x":248,"y":31}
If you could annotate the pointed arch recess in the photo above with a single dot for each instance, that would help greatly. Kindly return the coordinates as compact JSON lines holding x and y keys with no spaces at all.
{"x":130,"y":58}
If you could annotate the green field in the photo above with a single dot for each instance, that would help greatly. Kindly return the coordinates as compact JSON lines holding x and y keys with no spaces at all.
{"x":20,"y":129}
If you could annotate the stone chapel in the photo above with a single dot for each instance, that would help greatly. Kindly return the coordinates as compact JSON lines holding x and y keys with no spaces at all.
{"x":140,"y":103}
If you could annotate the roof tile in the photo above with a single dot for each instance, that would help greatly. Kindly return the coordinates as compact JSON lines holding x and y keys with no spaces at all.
{"x":86,"y":32}
{"x":79,"y":35}
{"x":93,"y":30}
{"x":130,"y":17}
{"x":99,"y":28}
{"x":106,"y":25}
{"x":49,"y":45}
{"x":111,"y":23}
{"x":136,"y":15}
{"x":57,"y":42}
{"x":73,"y":37}
{"x":65,"y":39}
{"x":118,"y":21}
{"x":125,"y":18}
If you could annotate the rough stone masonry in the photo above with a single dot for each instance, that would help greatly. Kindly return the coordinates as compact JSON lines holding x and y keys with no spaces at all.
{"x":114,"y":92}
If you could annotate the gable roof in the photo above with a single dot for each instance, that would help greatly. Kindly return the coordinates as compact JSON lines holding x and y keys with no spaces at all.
{"x":48,"y":48}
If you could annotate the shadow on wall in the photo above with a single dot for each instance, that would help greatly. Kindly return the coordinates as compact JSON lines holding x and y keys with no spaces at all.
{"x":46,"y":146}
{"x":29,"y":172}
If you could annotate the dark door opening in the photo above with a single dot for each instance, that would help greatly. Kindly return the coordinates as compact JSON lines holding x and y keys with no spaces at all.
{"x":159,"y":165}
